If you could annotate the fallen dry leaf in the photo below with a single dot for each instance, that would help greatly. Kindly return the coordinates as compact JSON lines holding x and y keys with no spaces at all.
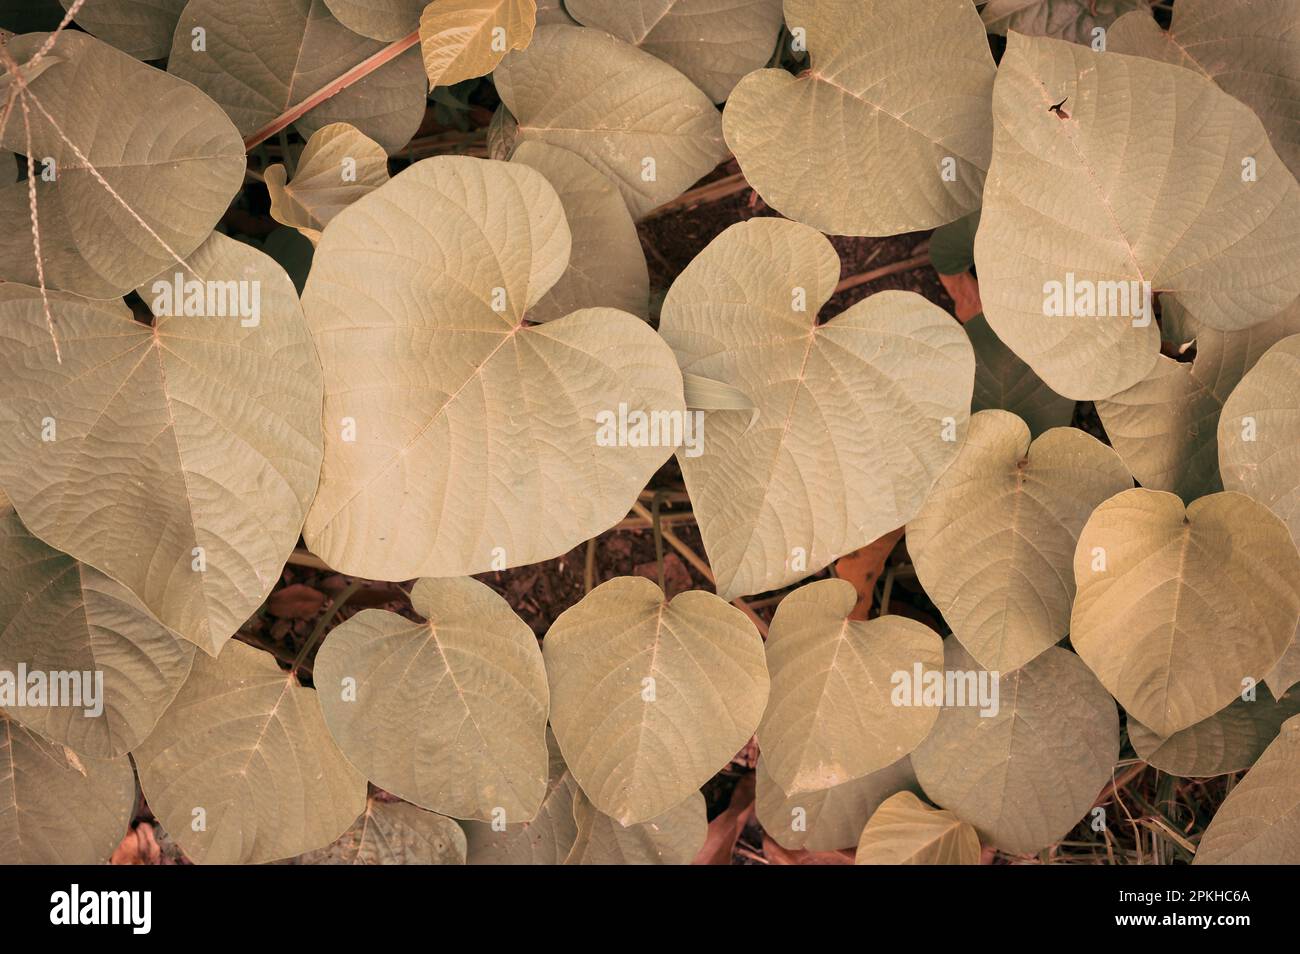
{"x":725,"y":830}
{"x":296,"y":601}
{"x":863,"y":567}
{"x":964,"y":291}
{"x":138,"y":847}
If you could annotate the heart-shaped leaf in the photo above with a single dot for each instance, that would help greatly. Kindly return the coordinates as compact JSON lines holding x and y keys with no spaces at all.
{"x":1251,"y":49}
{"x":57,"y":808}
{"x":1004,"y":382}
{"x":1074,"y":20}
{"x":460,"y":439}
{"x":58,"y":615}
{"x":1074,"y":240}
{"x":241,"y":769}
{"x":606,"y":265}
{"x":546,"y":839}
{"x":169,"y":154}
{"x":1259,"y":822}
{"x":179,"y":459}
{"x":855,"y":418}
{"x":461,"y":39}
{"x":887,"y":132}
{"x":449,"y":714}
{"x":713,"y":42}
{"x":258,"y":58}
{"x":142,"y":28}
{"x":673,"y":838}
{"x":1228,"y":741}
{"x":1176,"y":607}
{"x":337,"y":166}
{"x":385,"y":20}
{"x":1164,"y":426}
{"x":632,"y":116}
{"x":833,"y":818}
{"x":836,"y":713}
{"x":1027,"y":774}
{"x":906,"y":831}
{"x":650,"y":697}
{"x":994,"y":542}
{"x":394,"y":833}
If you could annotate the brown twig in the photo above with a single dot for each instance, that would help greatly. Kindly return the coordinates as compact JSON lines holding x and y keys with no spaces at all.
{"x":853,"y":281}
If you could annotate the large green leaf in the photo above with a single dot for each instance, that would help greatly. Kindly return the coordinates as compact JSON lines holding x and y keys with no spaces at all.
{"x":1025,"y":776}
{"x":713,"y":42}
{"x":1259,"y":822}
{"x":164,"y":148}
{"x":57,"y":808}
{"x":994,"y":542}
{"x":1004,"y":382}
{"x":632,"y":116}
{"x":1176,"y":607}
{"x":673,"y":838}
{"x":906,"y":831}
{"x":650,"y":697}
{"x":1141,"y":183}
{"x":1250,"y":48}
{"x":476,"y":434}
{"x":262,"y":57}
{"x":449,"y":714}
{"x":887,"y":132}
{"x":833,"y":818}
{"x":607,"y":265}
{"x":1164,"y":426}
{"x":544,"y":840}
{"x":1228,"y":741}
{"x":855,"y":418}
{"x":833,"y":715}
{"x":241,"y":769}
{"x":394,"y":833}
{"x":142,"y":28}
{"x":1073,"y":20}
{"x":337,"y":166}
{"x":179,"y":459}
{"x":385,"y":20}
{"x":58,"y":615}
{"x":461,"y":39}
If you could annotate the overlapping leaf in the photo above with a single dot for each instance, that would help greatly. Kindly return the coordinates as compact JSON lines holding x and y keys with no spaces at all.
{"x":994,"y":542}
{"x":164,"y":148}
{"x":906,"y":831}
{"x":57,"y":808}
{"x":1250,"y":48}
{"x":855,"y":418}
{"x":632,"y":116}
{"x":833,"y":818}
{"x":449,"y":714}
{"x":461,"y":39}
{"x":385,"y":20}
{"x":1074,"y":20}
{"x":1259,"y":822}
{"x":606,"y":265}
{"x":887,"y":132}
{"x":1176,"y":607}
{"x":673,"y":838}
{"x":1026,"y":775}
{"x":58,"y":615}
{"x":713,"y":42}
{"x":475,"y":434}
{"x":394,"y":833}
{"x":142,"y":28}
{"x":1228,"y":741}
{"x":834,"y":715}
{"x":337,"y":166}
{"x":241,"y":769}
{"x":1164,"y":426}
{"x":649,"y":697}
{"x":179,"y":459}
{"x":544,"y":840}
{"x":261,"y":57}
{"x":1003,"y":381}
{"x":1126,"y":186}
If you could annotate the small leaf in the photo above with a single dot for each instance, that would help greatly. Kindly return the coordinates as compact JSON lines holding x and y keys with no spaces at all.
{"x":906,"y":831}
{"x":241,"y":769}
{"x":462,"y":39}
{"x":394,"y":833}
{"x":1176,"y":607}
{"x":833,"y":715}
{"x":673,"y":838}
{"x":338,"y":166}
{"x":449,"y":714}
{"x":650,"y":698}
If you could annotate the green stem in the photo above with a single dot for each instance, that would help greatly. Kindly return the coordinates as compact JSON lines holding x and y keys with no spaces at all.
{"x":321,"y":624}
